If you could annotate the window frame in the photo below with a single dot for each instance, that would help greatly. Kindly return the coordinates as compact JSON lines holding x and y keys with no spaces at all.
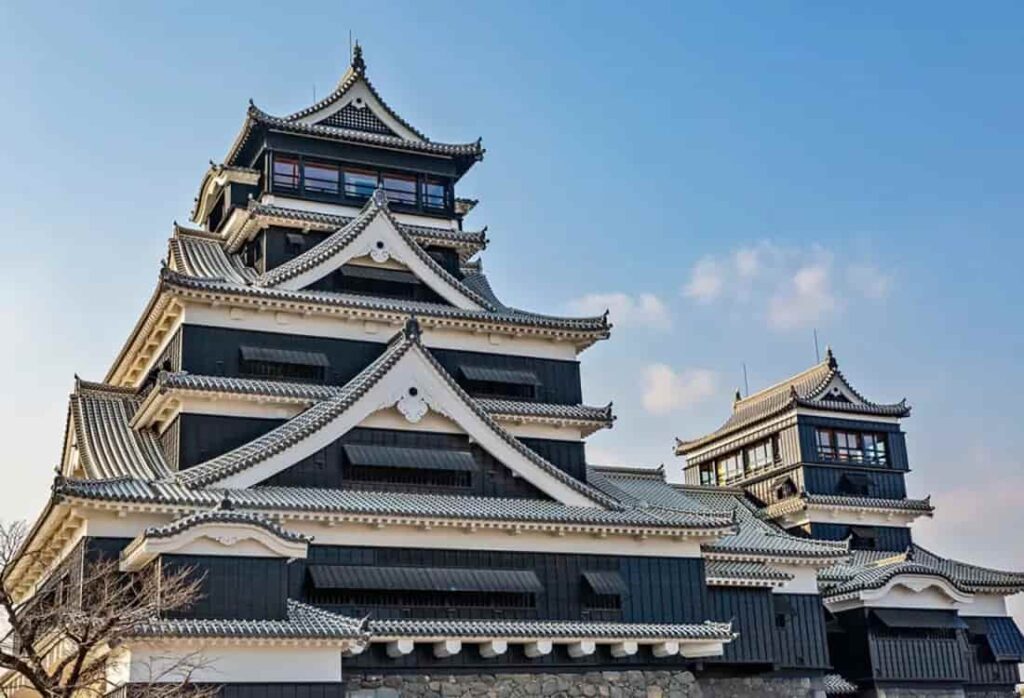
{"x":833,"y":445}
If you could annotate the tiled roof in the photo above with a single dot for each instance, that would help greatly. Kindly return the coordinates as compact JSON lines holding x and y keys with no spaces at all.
{"x":205,"y":258}
{"x":376,"y":205}
{"x":303,"y":622}
{"x":801,"y":501}
{"x":472,"y":240}
{"x":300,"y":427}
{"x":257,"y":117}
{"x":707,"y":630}
{"x":728,"y":570}
{"x":310,"y":392}
{"x":307,"y":500}
{"x":836,"y":685}
{"x":869,"y":569}
{"x":320,"y":414}
{"x":355,"y":73}
{"x":755,"y":536}
{"x":804,"y":389}
{"x":582,"y":413}
{"x":222,"y":515}
{"x":595,"y":326}
{"x":107,"y":445}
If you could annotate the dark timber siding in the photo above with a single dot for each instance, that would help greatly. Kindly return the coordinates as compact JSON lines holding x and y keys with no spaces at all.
{"x":895,"y":440}
{"x":752,"y":616}
{"x":215,"y":351}
{"x":204,"y":436}
{"x":895,"y":538}
{"x":327,"y":467}
{"x":827,"y":480}
{"x":801,"y":639}
{"x":662,"y":590}
{"x":569,"y":456}
{"x":235,"y":587}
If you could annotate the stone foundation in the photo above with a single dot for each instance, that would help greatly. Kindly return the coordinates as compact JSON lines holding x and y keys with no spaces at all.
{"x":606,"y":684}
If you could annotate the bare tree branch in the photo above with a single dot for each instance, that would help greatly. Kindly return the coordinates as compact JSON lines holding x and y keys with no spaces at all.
{"x":59,"y":640}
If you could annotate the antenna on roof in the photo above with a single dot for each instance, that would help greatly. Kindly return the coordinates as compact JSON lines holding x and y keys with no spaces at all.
{"x":350,"y":43}
{"x":817,"y":351}
{"x":746,"y":384}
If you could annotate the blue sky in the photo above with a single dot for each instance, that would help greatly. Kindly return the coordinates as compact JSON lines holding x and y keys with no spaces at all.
{"x":726,"y":178}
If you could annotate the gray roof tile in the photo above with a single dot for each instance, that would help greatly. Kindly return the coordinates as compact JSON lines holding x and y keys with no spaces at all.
{"x":303,"y":622}
{"x":222,"y":515}
{"x":707,"y":630}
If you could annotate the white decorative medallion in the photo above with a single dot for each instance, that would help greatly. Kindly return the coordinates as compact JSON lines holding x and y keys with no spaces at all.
{"x":412,"y":405}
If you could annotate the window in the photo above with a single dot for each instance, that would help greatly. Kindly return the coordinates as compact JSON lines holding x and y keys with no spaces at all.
{"x":286,"y":173}
{"x":320,"y":178}
{"x":280,"y":364}
{"x":851,"y":446}
{"x":435,"y":194}
{"x":761,"y":455}
{"x":360,"y":184}
{"x":707,"y":474}
{"x":400,"y":189}
{"x":730,"y":468}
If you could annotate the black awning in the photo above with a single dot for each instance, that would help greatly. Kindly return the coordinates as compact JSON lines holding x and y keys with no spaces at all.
{"x":608,"y":583}
{"x":486,"y":374}
{"x":364,"y":577}
{"x":285,"y":356}
{"x":864,"y":532}
{"x":1002,"y":636}
{"x":783,"y":605}
{"x":918,"y":618}
{"x":399,"y":457}
{"x":396,"y":276}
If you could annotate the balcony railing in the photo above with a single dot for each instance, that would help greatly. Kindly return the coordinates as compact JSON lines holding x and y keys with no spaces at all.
{"x":858,"y":456}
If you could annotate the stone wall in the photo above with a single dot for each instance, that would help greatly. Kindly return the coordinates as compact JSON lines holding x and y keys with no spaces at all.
{"x":606,"y":684}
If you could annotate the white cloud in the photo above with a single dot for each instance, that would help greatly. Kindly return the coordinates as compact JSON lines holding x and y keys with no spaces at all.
{"x":747,"y":261}
{"x":644,"y":310}
{"x":706,"y":281}
{"x":805,"y":301}
{"x":666,"y":391}
{"x":869,"y":281}
{"x":788,"y":288}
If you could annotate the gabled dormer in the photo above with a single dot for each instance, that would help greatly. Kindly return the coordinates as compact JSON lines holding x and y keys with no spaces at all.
{"x":332,"y":155}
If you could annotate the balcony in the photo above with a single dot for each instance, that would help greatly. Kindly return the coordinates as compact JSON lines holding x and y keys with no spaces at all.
{"x":340,"y":184}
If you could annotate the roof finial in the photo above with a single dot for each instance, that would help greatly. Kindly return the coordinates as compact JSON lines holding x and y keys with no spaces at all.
{"x":412,"y":329}
{"x":738,"y":396}
{"x":830,"y":357}
{"x":226,"y":504}
{"x":358,"y":64}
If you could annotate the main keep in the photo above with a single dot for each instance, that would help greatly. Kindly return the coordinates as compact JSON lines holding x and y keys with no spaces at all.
{"x":379,"y":469}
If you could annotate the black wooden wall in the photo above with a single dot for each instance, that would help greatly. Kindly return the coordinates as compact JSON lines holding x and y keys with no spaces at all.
{"x":895,"y":439}
{"x":662,"y":590}
{"x":790,"y":640}
{"x":895,"y":538}
{"x":819,"y":479}
{"x":215,"y":351}
{"x":234,"y":587}
{"x":326,"y":468}
{"x":204,"y":436}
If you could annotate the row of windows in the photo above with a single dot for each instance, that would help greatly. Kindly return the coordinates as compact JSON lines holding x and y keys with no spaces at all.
{"x":837,"y":445}
{"x":737,"y":465}
{"x":336,"y":181}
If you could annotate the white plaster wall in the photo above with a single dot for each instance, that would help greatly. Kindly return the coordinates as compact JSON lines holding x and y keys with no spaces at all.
{"x":230,"y":664}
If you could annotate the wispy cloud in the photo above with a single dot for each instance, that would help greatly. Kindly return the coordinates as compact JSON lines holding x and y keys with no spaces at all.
{"x":666,"y":390}
{"x":642,"y":310}
{"x":788,"y":288}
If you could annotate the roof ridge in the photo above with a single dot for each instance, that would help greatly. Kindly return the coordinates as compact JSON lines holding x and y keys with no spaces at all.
{"x":777,"y":387}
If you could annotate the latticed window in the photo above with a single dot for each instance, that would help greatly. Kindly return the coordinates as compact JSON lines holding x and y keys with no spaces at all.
{"x":730,"y":468}
{"x":320,"y":178}
{"x":851,"y":446}
{"x":760,"y":455}
{"x":286,"y":172}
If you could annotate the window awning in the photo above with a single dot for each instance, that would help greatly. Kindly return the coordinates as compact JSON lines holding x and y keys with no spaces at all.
{"x":285,"y":356}
{"x":606,"y":582}
{"x":1002,"y":636}
{"x":864,"y":532}
{"x":486,"y":374}
{"x":365,"y":577}
{"x":376,"y":274}
{"x":918,"y":618}
{"x":400,"y":457}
